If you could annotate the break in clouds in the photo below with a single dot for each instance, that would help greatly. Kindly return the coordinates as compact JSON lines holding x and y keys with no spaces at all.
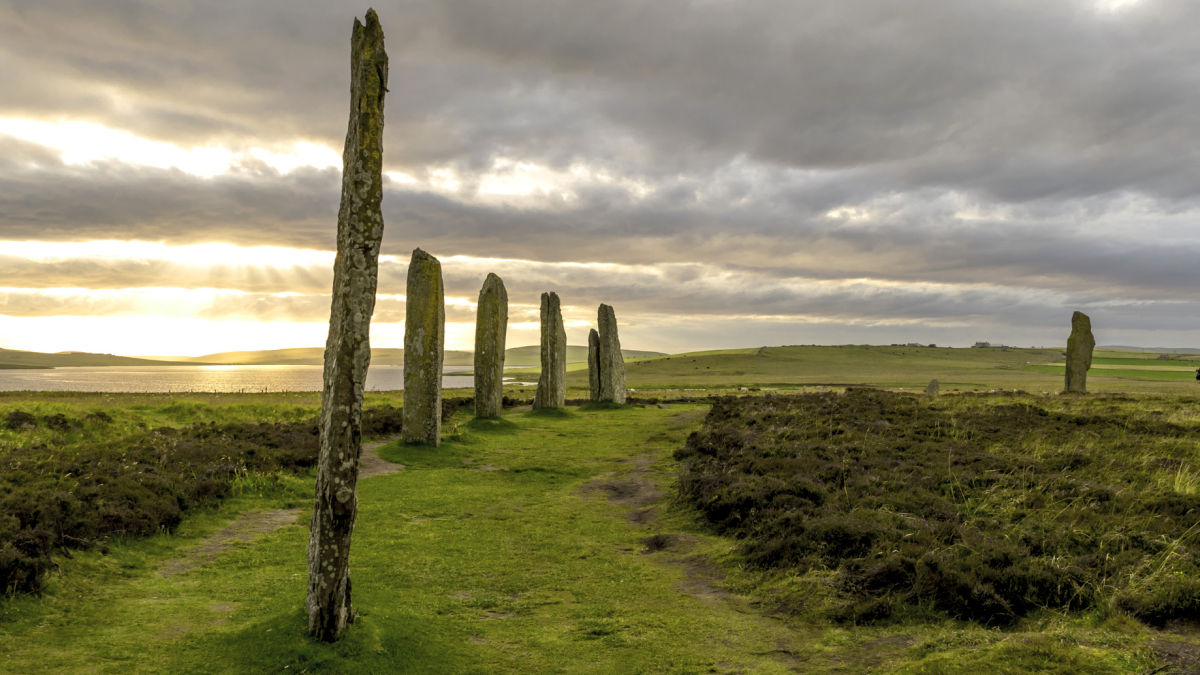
{"x":931,"y":170}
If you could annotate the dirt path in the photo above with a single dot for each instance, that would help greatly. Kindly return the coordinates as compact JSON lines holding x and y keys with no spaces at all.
{"x":255,"y":524}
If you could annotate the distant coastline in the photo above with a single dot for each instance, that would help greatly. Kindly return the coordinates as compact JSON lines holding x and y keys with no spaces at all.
{"x":303,"y":356}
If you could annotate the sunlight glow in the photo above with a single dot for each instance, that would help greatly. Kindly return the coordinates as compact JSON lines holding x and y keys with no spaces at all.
{"x":302,"y":154}
{"x":213,"y":253}
{"x":1115,"y":6}
{"x":81,"y":142}
{"x":149,"y":335}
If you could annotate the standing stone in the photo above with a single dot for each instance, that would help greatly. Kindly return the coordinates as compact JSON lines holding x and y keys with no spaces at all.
{"x":424,"y":336}
{"x":933,"y":388}
{"x":593,"y":365}
{"x":348,"y":348}
{"x":1079,"y":353}
{"x":612,"y":363}
{"x":491,"y":324}
{"x":551,"y":387}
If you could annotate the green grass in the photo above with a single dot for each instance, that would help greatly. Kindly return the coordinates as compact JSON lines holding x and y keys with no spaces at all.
{"x":521,"y":545}
{"x":956,"y":369}
{"x":786,"y":367}
{"x":487,"y":554}
{"x":1106,"y":375}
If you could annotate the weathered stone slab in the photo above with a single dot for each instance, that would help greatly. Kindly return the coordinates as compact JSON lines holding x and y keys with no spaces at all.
{"x":933,"y":389}
{"x":1079,"y":353}
{"x":348,"y":348}
{"x":612,"y":363}
{"x":491,"y":324}
{"x":552,"y":383}
{"x":424,"y":340}
{"x":593,"y":365}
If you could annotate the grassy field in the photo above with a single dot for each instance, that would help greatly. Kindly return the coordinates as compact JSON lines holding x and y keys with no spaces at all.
{"x":911,"y":368}
{"x":556,"y":542}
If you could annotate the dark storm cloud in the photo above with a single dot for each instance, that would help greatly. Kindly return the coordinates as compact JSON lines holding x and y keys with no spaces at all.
{"x":1021,"y":99}
{"x":1025,"y":157}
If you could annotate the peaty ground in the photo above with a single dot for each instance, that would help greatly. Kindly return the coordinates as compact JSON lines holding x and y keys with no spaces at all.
{"x":543,"y":542}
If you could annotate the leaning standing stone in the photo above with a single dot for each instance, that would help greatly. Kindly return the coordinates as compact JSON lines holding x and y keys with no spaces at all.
{"x":1079,"y":353}
{"x":348,"y":348}
{"x":612,"y":363}
{"x":491,"y":323}
{"x":593,"y":365}
{"x":551,"y":388}
{"x":424,"y":335}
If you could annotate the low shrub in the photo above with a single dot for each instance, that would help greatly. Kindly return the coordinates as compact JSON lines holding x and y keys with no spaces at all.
{"x":985,"y":509}
{"x":55,"y":499}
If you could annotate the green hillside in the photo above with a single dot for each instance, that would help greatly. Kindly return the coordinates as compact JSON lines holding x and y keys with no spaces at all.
{"x":299,"y":356}
{"x":531,"y":355}
{"x":311,"y":356}
{"x":11,"y":358}
{"x":965,"y":369}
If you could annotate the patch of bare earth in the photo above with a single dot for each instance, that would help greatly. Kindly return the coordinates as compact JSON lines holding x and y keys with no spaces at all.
{"x":255,"y":524}
{"x":703,"y":579}
{"x":1176,"y":658}
{"x":371,"y":464}
{"x":638,"y":491}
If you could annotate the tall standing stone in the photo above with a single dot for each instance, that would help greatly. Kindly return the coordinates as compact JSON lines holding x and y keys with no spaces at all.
{"x":612,"y":363}
{"x":424,"y":337}
{"x":551,"y":387}
{"x":593,"y":365}
{"x":1079,"y":353}
{"x":491,"y":324}
{"x":348,"y":348}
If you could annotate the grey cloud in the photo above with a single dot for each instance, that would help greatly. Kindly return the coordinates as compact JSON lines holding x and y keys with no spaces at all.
{"x":748,"y":122}
{"x":1022,"y":100}
{"x":1073,"y":245}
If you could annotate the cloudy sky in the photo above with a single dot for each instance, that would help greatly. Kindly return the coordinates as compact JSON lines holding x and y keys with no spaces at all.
{"x":723,"y":173}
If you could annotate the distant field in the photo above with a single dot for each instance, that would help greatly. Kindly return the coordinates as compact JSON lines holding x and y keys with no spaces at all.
{"x":531,"y":355}
{"x":956,"y":369}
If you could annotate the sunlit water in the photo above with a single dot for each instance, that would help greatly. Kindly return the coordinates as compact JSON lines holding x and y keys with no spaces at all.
{"x":157,"y":379}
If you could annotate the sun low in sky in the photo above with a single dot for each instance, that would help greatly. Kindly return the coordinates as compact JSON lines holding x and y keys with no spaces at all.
{"x":723,"y":174}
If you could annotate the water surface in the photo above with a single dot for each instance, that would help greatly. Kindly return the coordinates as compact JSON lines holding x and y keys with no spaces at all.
{"x":161,"y":379}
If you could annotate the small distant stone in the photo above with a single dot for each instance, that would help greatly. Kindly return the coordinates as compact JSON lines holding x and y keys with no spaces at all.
{"x":933,"y":388}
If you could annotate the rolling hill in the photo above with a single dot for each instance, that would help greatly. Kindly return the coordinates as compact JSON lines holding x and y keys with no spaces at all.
{"x":531,"y":355}
{"x":307,"y":356}
{"x":300,"y":356}
{"x":12,"y":358}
